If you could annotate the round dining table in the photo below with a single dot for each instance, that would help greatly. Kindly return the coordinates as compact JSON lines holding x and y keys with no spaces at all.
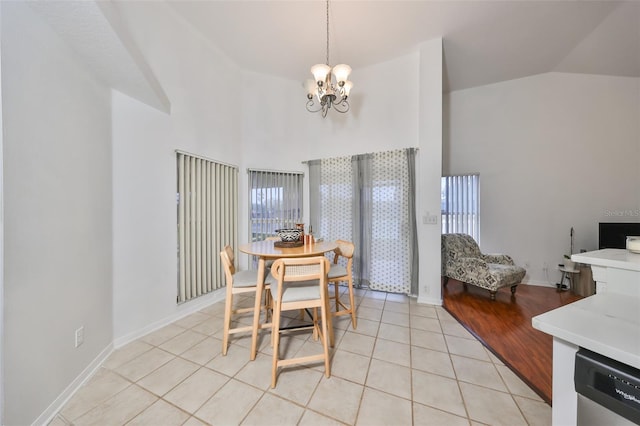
{"x":266,"y":250}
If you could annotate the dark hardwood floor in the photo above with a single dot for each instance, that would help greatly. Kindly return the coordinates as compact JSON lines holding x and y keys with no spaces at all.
{"x":504,"y":326}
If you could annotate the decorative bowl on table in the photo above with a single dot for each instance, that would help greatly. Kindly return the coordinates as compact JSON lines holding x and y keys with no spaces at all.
{"x":289,"y":235}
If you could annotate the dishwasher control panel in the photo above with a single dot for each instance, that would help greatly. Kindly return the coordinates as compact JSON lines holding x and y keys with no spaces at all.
{"x":610,"y":383}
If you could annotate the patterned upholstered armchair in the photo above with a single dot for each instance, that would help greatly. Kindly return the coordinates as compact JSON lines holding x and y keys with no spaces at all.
{"x":463,"y":261}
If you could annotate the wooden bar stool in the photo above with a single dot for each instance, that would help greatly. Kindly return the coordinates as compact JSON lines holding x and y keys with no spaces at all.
{"x":339,"y":273}
{"x":301,"y":283}
{"x":239,"y":282}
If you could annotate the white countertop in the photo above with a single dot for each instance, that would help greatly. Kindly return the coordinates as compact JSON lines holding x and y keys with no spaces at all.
{"x":606,"y":323}
{"x":614,"y":258}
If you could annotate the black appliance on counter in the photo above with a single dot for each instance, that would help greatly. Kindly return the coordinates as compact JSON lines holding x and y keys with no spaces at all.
{"x":614,"y":234}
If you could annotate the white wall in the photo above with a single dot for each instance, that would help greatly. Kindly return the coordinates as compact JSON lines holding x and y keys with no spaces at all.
{"x":383,"y":116}
{"x":554,"y":151}
{"x":57,"y":214}
{"x":274,"y":135}
{"x":430,"y":170}
{"x":203,"y":87}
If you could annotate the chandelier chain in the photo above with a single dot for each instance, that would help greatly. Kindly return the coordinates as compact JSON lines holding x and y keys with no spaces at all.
{"x":327,"y":32}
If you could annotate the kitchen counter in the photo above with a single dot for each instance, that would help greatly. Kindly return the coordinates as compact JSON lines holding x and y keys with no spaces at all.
{"x":607,"y":323}
{"x":614,"y":270}
{"x":614,"y":258}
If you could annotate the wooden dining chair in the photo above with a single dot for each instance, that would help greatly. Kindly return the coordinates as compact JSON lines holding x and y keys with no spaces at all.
{"x":269,"y":263}
{"x":339,"y":273}
{"x":239,"y":282}
{"x":301,"y":283}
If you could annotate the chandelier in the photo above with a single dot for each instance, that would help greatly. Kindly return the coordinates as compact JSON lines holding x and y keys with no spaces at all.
{"x":322,"y":93}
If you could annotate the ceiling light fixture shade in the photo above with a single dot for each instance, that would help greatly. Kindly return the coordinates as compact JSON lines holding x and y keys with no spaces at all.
{"x":320,"y":72}
{"x":341,"y":72}
{"x":322,"y":93}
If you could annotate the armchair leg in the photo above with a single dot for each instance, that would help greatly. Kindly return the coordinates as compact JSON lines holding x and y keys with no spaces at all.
{"x":446,"y":281}
{"x":513,"y":289}
{"x":493,"y":295}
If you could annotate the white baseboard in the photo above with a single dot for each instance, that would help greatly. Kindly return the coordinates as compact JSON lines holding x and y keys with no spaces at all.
{"x":539,"y":283}
{"x":438,"y":302}
{"x":51,"y":411}
{"x":183,"y":310}
{"x":429,"y":301}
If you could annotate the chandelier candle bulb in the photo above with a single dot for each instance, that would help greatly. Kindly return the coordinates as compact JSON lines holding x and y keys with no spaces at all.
{"x":347,"y":88}
{"x":311,"y":88}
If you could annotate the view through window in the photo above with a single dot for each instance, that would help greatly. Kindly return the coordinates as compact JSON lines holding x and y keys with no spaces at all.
{"x":460,"y":205}
{"x":276,"y":202}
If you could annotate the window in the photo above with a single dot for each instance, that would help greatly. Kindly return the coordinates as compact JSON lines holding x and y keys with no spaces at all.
{"x":460,"y":204}
{"x":275,"y":200}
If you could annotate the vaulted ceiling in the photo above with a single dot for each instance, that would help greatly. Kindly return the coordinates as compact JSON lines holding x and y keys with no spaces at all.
{"x":484,"y":41}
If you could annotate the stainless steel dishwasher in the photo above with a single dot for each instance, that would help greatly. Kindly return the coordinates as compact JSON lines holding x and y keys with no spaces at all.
{"x":608,"y":391}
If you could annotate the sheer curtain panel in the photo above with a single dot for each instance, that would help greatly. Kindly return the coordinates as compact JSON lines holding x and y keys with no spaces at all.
{"x":207,"y":199}
{"x":330,"y":193}
{"x":370,"y":199}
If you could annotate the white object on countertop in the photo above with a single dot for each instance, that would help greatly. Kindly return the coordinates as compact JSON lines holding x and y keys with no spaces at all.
{"x":633,"y":244}
{"x":614,"y":270}
{"x":569,"y":264}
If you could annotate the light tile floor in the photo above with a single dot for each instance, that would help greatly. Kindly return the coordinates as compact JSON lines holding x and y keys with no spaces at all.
{"x":404,"y":364}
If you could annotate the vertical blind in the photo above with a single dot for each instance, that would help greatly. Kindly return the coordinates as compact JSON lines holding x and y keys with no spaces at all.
{"x":207,"y":200}
{"x":461,"y":205}
{"x":275,"y":201}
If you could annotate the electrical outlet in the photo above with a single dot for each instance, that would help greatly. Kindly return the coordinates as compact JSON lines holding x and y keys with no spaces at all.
{"x":429,"y":219}
{"x":79,"y":336}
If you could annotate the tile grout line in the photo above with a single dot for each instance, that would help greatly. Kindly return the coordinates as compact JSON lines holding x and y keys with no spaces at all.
{"x":387,"y":308}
